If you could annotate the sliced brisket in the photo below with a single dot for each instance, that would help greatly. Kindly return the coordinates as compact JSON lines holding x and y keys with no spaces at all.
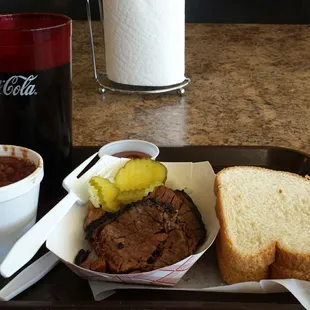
{"x":191,"y":231}
{"x":159,"y":230}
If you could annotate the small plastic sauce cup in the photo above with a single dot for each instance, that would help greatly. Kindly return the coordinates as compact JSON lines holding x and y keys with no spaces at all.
{"x":130,"y":149}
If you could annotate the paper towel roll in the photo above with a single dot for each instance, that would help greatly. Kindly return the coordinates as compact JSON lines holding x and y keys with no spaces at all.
{"x":145,"y":41}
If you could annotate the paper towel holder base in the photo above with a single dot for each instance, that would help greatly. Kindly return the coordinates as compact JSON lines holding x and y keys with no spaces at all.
{"x":105,"y":84}
{"x":103,"y":81}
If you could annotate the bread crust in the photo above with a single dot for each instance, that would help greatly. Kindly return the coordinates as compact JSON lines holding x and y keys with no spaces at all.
{"x":279,"y":272}
{"x":236,"y":268}
{"x":294,"y":261}
{"x":234,"y":274}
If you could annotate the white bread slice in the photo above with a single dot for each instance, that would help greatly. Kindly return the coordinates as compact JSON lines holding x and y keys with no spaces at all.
{"x":264,"y":217}
{"x":235,"y":275}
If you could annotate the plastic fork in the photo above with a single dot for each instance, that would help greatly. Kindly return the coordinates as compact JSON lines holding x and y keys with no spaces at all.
{"x":27,"y":246}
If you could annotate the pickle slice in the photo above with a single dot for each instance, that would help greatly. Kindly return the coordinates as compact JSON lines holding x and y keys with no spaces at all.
{"x":127,"y":197}
{"x":140,"y":174}
{"x":103,"y":194}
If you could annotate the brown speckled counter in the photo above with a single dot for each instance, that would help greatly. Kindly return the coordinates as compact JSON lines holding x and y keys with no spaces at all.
{"x":250,"y":86}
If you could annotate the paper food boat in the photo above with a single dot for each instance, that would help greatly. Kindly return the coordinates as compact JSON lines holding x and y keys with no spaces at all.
{"x":198,"y":181}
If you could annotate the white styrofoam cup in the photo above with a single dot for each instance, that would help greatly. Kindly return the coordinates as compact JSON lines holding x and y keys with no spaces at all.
{"x":19,"y":201}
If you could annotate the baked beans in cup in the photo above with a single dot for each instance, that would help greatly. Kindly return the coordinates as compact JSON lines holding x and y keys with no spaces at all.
{"x":21,"y":173}
{"x":14,"y":169}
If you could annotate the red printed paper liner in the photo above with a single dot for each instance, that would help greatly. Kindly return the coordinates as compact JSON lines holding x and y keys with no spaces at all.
{"x":198,"y":181}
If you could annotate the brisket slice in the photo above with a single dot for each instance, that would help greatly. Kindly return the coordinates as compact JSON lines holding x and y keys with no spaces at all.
{"x":159,"y":230}
{"x":92,"y":214}
{"x":133,"y":239}
{"x":190,"y":225}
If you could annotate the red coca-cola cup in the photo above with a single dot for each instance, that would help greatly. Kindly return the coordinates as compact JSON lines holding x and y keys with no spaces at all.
{"x":35,"y":88}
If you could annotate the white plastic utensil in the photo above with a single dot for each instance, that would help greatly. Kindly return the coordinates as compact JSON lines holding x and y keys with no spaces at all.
{"x":29,"y":276}
{"x":26,"y":247}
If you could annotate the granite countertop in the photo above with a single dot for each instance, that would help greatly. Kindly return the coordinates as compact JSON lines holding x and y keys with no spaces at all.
{"x":250,"y":86}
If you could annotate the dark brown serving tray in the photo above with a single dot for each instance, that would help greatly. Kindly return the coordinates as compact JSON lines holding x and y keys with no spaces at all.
{"x":62,"y":289}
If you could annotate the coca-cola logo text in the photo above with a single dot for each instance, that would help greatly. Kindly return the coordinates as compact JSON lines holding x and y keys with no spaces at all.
{"x":18,"y":85}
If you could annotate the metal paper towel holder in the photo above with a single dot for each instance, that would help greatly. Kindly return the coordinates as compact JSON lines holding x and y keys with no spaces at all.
{"x":103,"y":81}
